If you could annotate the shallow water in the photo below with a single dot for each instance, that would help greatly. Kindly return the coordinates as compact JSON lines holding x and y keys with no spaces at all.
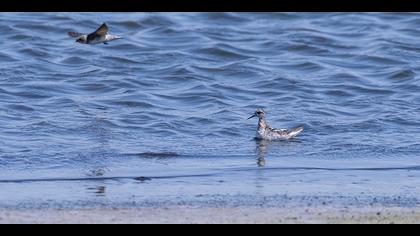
{"x":161,"y":114}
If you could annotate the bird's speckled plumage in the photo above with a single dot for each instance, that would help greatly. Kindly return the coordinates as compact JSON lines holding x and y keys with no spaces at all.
{"x":265,"y":132}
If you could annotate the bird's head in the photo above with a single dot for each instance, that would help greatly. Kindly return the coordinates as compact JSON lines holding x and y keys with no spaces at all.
{"x":260,"y":113}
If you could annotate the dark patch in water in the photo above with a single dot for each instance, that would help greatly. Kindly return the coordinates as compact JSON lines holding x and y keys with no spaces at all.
{"x":156,"y":154}
{"x":142,"y":178}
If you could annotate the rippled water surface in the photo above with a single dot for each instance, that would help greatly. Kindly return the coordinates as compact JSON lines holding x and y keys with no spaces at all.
{"x":161,"y":114}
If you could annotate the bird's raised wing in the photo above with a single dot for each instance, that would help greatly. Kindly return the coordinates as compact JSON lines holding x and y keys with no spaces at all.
{"x":100,"y":32}
{"x":74,"y":34}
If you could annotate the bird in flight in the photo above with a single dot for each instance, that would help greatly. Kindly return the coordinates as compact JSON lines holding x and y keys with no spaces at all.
{"x":99,"y":36}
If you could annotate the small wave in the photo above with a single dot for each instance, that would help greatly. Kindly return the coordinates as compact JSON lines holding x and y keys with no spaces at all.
{"x":381,"y":60}
{"x":338,"y":93}
{"x":359,"y":90}
{"x":36,"y":53}
{"x":4,"y":57}
{"x":133,"y":104}
{"x":96,"y":87}
{"x":227,"y":17}
{"x":304,"y":66}
{"x":151,"y":21}
{"x":217,"y":53}
{"x":120,"y":59}
{"x":75,"y":60}
{"x":19,"y":37}
{"x":36,"y":27}
{"x":129,"y":24}
{"x":20,"y":107}
{"x":307,"y":49}
{"x":403,"y":75}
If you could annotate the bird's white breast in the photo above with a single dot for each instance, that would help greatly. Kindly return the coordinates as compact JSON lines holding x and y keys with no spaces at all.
{"x":98,"y":40}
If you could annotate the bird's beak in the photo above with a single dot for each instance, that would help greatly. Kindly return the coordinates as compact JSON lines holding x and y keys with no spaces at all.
{"x":252,"y":116}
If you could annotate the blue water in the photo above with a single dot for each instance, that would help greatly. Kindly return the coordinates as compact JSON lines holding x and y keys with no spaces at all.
{"x":161,"y":114}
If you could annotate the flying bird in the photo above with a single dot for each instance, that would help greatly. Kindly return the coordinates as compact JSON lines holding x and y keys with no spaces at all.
{"x":99,"y":36}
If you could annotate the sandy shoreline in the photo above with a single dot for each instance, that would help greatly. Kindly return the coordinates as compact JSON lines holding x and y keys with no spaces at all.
{"x":208,"y":215}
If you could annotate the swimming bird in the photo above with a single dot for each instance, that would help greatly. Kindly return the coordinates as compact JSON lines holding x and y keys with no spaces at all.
{"x":99,"y":36}
{"x":265,"y":132}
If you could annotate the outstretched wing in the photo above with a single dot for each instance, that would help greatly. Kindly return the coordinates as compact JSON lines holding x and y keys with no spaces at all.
{"x":74,"y":34}
{"x":100,"y":32}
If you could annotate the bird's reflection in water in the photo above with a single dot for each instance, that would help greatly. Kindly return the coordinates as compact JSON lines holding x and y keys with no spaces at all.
{"x":99,"y":189}
{"x":261,"y":151}
{"x":263,"y":146}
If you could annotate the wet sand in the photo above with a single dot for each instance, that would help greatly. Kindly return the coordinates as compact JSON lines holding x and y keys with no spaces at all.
{"x":208,"y":215}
